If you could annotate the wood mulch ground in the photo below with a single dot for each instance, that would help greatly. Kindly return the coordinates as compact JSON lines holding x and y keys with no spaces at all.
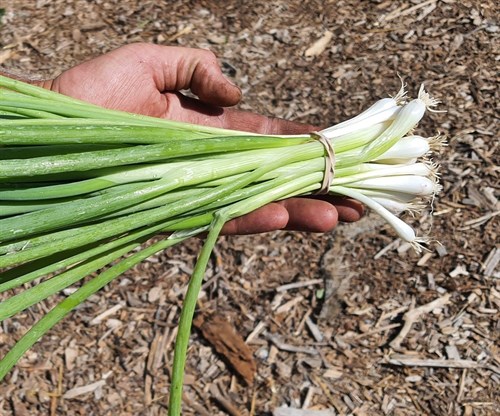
{"x":349,"y":322}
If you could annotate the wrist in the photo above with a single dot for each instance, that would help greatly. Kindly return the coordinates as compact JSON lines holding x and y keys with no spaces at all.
{"x":47,"y":83}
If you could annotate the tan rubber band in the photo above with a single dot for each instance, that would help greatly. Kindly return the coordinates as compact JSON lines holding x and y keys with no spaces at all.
{"x":329,"y":162}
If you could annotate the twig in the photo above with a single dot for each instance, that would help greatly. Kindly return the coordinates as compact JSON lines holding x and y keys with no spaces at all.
{"x":376,"y":330}
{"x":478,"y":221}
{"x":326,"y":391}
{"x":491,"y":261}
{"x":101,"y":317}
{"x":256,"y":332}
{"x":390,"y":314}
{"x":398,"y":12}
{"x":443,"y":363}
{"x":387,"y":248}
{"x":253,"y":402}
{"x":225,"y":403}
{"x":413,"y":315}
{"x":290,"y":348}
{"x":299,"y":284}
{"x":315,"y":331}
{"x":54,"y":396}
{"x":311,"y":391}
{"x":289,"y":305}
{"x":197,"y":407}
{"x":461,"y":387}
{"x":300,"y":327}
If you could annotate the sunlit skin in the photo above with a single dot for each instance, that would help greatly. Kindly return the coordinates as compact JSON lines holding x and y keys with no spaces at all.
{"x":148,"y":79}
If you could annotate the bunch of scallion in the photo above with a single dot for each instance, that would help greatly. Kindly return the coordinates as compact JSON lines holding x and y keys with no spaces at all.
{"x":84,"y":189}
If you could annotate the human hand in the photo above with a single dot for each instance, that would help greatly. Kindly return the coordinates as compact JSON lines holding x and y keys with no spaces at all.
{"x":147,"y":79}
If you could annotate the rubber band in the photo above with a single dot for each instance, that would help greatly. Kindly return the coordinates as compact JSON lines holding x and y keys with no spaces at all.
{"x":329,"y":162}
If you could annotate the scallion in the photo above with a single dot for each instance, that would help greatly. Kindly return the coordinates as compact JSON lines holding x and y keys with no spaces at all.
{"x":82,"y":187}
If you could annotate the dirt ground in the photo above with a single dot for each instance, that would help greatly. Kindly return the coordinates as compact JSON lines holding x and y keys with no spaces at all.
{"x":322,"y":315}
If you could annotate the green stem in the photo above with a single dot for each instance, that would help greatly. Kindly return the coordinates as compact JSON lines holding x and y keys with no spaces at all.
{"x":31,"y":113}
{"x":20,"y":251}
{"x":35,"y":294}
{"x":81,"y":211}
{"x":73,"y":300}
{"x":27,"y":94}
{"x":26,"y":152}
{"x":189,"y":305}
{"x":186,"y":318}
{"x":38,"y":268}
{"x":27,"y":131}
{"x":10,"y":115}
{"x":98,"y":159}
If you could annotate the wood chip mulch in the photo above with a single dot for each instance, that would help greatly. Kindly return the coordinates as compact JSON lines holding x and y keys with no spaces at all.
{"x":349,"y":322}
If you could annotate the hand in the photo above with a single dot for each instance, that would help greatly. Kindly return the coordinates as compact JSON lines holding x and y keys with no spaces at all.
{"x":147,"y":79}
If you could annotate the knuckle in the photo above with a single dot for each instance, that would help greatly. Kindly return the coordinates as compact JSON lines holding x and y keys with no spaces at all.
{"x":208,"y":55}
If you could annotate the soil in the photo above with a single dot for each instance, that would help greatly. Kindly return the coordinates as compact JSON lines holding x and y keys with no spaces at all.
{"x":306,"y":321}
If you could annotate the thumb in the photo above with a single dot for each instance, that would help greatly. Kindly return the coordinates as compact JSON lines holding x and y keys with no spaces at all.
{"x":197,"y":70}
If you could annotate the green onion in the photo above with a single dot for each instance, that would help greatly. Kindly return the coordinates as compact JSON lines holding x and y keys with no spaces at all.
{"x":82,"y":188}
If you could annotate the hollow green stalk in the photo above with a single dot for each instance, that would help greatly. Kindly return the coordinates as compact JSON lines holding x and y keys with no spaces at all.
{"x":189,"y":305}
{"x":60,"y":260}
{"x":99,"y":159}
{"x":43,"y":290}
{"x":72,"y":301}
{"x":20,"y":251}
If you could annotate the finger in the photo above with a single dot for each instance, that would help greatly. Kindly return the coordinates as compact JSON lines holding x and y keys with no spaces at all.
{"x":349,"y":210}
{"x":297,"y":214}
{"x":182,"y":108}
{"x":270,"y":217}
{"x":312,"y":215}
{"x":195,"y":69}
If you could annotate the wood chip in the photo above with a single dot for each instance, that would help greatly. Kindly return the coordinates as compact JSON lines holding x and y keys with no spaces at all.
{"x":491,"y":262}
{"x":229,"y":343}
{"x":80,"y":391}
{"x":101,"y":317}
{"x":225,"y":403}
{"x":401,"y":11}
{"x":459,"y":270}
{"x":417,"y":362}
{"x":452,"y":352}
{"x":413,"y":315}
{"x":311,"y":391}
{"x":5,"y":55}
{"x":298,"y":285}
{"x":476,"y":222}
{"x":288,"y":411}
{"x":423,"y":260}
{"x":333,"y":373}
{"x":315,"y":331}
{"x":259,"y":328}
{"x":441,"y":250}
{"x":290,"y":348}
{"x":70,"y":355}
{"x":289,"y":305}
{"x":393,"y":245}
{"x":318,"y":47}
